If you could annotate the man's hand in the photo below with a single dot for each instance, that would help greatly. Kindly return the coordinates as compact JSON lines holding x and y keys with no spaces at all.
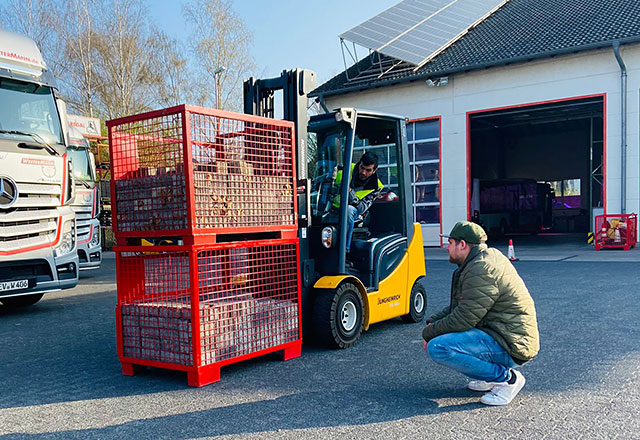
{"x":424,"y":343}
{"x":353,"y":198}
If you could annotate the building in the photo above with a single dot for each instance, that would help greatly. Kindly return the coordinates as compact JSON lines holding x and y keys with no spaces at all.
{"x":535,"y":91}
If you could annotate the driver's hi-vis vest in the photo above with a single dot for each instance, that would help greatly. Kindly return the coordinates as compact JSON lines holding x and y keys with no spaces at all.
{"x":368,"y":188}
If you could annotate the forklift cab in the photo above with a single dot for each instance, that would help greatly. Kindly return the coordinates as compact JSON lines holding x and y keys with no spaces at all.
{"x":336,"y":141}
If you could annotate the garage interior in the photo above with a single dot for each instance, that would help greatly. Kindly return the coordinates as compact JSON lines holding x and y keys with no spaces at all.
{"x":538,"y":170}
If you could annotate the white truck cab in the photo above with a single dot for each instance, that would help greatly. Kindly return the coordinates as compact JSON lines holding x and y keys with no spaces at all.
{"x":86,"y":203}
{"x":37,"y":224}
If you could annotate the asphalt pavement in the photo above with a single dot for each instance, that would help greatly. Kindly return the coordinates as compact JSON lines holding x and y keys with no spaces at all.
{"x":62,"y":378}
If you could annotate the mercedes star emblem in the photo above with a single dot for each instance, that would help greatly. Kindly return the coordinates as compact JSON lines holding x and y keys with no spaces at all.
{"x":8,"y":192}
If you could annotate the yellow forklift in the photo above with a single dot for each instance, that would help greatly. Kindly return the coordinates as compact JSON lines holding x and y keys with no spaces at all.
{"x":380,"y":279}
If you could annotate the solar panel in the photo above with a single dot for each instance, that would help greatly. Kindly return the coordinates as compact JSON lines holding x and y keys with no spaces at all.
{"x":415,"y":31}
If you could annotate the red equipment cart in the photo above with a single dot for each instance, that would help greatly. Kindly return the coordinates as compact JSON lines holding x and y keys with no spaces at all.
{"x":618,"y":231}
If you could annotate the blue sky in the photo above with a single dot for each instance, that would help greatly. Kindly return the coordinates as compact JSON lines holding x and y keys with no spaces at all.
{"x":289,"y":33}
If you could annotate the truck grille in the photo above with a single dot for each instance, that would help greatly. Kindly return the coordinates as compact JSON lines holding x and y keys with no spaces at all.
{"x":83,"y":219}
{"x":33,"y":219}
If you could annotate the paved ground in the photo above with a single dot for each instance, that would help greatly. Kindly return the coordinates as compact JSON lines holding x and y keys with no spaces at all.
{"x":62,"y":379}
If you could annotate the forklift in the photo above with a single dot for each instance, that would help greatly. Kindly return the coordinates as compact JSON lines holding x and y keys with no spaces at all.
{"x":381,"y":278}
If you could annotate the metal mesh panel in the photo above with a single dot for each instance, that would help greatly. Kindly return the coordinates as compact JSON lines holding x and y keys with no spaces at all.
{"x":243,"y":172}
{"x":616,"y":231}
{"x":249,"y":299}
{"x":148,"y":169}
{"x":154,"y":301}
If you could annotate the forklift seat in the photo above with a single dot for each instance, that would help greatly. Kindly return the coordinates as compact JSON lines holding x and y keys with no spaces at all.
{"x":367,"y":254}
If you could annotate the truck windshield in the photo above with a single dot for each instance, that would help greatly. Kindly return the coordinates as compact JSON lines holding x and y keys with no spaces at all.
{"x":81,"y":166}
{"x":28,"y":108}
{"x":325,"y":159}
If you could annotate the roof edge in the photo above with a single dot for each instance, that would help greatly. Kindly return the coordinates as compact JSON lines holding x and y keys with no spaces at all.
{"x":520,"y":59}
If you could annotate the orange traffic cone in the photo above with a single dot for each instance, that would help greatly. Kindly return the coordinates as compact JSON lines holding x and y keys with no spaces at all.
{"x":511,"y":253}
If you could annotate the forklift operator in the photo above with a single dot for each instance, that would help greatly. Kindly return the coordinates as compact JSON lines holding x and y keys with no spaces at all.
{"x":363,"y":190}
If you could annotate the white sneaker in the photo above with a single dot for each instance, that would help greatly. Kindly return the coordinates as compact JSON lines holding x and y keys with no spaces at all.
{"x":504,"y":392}
{"x":480,"y":385}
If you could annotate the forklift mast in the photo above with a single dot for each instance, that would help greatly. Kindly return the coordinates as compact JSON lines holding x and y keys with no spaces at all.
{"x":295,"y":85}
{"x":259,"y":100}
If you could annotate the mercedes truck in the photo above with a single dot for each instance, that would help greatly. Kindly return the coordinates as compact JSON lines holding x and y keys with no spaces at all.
{"x":86,"y":203}
{"x":37,"y":224}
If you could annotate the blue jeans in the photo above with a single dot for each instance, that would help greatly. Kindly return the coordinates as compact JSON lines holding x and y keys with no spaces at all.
{"x":352,"y":216}
{"x":473,"y":353}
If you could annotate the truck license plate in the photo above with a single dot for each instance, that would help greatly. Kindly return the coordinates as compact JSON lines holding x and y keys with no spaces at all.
{"x":5,"y":286}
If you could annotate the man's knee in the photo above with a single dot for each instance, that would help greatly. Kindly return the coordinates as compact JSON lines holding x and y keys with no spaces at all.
{"x":438,"y":348}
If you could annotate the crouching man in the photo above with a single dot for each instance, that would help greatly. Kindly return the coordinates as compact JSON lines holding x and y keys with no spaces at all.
{"x":490,"y":327}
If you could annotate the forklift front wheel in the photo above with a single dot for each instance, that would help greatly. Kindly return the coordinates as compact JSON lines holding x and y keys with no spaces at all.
{"x":417,"y":303}
{"x":338,"y":316}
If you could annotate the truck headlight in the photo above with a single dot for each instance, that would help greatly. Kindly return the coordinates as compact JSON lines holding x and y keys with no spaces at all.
{"x":68,"y":240}
{"x":95,"y":238}
{"x":326,"y":236}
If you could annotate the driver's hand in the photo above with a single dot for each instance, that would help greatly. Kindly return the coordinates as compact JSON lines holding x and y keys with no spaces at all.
{"x":353,"y":198}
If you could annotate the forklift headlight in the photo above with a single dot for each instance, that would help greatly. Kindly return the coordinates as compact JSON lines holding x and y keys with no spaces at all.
{"x":327,"y":236}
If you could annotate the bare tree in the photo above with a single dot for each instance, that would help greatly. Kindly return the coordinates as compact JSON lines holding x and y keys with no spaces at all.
{"x":176,"y":82}
{"x":122,"y":59}
{"x":221,"y":43}
{"x":76,"y":38}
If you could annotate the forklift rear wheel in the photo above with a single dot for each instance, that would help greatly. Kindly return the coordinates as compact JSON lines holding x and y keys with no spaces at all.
{"x":22,"y":301}
{"x":417,"y":303}
{"x":338,"y":316}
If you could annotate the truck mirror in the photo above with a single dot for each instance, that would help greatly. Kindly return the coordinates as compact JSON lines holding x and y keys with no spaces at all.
{"x":62,"y":110}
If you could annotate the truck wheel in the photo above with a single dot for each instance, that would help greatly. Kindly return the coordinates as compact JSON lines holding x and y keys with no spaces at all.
{"x":22,"y":301}
{"x":338,"y":316}
{"x":417,"y":303}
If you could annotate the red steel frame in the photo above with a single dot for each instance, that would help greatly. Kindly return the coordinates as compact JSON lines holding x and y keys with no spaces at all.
{"x":604,"y":140}
{"x":197,"y":373}
{"x":192,"y":234}
{"x":439,"y":119}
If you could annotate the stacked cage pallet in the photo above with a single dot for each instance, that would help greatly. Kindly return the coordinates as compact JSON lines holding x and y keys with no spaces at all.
{"x":214,"y":193}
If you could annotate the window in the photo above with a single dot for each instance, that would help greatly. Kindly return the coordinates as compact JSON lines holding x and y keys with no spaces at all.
{"x":424,"y":159}
{"x":567,"y":193}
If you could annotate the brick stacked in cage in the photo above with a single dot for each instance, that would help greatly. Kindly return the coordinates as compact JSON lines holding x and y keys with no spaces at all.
{"x":220,"y":187}
{"x":193,"y":172}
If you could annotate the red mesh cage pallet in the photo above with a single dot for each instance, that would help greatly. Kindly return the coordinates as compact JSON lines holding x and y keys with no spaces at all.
{"x":618,"y":231}
{"x":243,"y":297}
{"x":192,"y":173}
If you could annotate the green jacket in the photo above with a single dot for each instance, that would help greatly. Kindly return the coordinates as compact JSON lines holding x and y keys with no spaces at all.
{"x":487,"y":293}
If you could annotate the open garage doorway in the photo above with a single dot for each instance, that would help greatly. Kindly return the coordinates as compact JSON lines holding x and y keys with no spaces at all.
{"x":537,"y":170}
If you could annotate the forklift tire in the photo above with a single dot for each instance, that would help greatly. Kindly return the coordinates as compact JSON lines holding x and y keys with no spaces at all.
{"x":338,"y":316}
{"x":417,"y":303}
{"x":21,"y":301}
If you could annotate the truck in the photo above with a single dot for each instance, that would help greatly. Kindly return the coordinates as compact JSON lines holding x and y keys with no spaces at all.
{"x":37,"y":224}
{"x":86,"y":203}
{"x":515,"y":206}
{"x":382,"y":277}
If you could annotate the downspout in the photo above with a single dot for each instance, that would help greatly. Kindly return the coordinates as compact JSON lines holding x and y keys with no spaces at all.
{"x":320,"y":100}
{"x":623,"y":136}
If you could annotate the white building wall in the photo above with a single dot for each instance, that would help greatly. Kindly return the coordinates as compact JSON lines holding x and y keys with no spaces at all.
{"x":589,"y":73}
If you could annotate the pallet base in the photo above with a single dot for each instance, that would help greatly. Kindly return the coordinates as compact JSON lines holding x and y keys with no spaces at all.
{"x":209,"y":374}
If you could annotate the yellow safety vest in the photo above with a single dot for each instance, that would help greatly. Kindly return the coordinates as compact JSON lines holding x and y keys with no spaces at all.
{"x":361,"y":193}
